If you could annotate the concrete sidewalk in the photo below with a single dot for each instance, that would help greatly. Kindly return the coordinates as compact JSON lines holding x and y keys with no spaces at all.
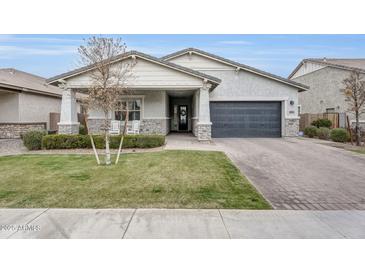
{"x":179,"y":223}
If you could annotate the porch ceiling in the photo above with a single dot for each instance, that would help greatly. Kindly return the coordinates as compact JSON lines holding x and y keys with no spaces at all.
{"x":180,"y":93}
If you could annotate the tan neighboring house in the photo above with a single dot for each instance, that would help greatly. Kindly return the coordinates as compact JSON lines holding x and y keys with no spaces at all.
{"x":193,"y":91}
{"x":26,"y":101}
{"x":324,"y":77}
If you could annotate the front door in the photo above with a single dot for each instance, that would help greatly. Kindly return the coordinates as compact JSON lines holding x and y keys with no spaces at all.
{"x":183,"y":117}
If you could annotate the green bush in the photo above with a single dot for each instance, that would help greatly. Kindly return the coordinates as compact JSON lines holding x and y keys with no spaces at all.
{"x":64,"y":141}
{"x":82,"y":130}
{"x":322,"y":123}
{"x":323,"y":133}
{"x":33,"y":139}
{"x":310,"y":131}
{"x":339,"y":135}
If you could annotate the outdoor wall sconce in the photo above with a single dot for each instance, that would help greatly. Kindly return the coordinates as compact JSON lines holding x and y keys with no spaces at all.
{"x":291,"y":102}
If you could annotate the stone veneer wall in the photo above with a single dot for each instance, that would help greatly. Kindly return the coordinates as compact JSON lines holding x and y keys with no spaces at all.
{"x":147,"y":126}
{"x":153,"y":126}
{"x":291,"y":127}
{"x":69,"y":129}
{"x":95,"y":125}
{"x":204,"y":132}
{"x":15,"y":130}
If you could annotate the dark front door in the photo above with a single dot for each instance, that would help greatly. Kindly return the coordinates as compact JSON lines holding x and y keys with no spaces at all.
{"x":183,"y":117}
{"x":245,"y":119}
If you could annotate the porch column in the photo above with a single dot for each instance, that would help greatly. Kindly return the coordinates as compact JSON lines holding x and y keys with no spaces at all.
{"x":204,"y":125}
{"x":68,"y":121}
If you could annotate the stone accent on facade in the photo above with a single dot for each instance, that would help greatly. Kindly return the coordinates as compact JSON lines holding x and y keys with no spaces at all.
{"x":204,"y":132}
{"x":68,"y":128}
{"x":147,"y":126}
{"x":153,"y":126}
{"x":95,"y":126}
{"x":15,"y":130}
{"x":291,"y":127}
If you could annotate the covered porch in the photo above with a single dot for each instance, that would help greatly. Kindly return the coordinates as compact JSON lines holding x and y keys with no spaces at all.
{"x":163,"y":98}
{"x":155,"y":112}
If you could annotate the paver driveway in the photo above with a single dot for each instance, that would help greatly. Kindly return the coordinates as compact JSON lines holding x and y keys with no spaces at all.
{"x":293,"y":173}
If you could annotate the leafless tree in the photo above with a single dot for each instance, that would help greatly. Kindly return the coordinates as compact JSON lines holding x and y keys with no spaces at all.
{"x":109,"y":79}
{"x":355,"y":97}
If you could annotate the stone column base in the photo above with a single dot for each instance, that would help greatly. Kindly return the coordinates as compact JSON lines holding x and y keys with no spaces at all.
{"x":68,"y":128}
{"x":291,"y":127}
{"x":204,"y":131}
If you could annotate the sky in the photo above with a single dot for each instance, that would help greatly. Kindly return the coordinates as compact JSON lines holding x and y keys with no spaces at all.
{"x":49,"y":55}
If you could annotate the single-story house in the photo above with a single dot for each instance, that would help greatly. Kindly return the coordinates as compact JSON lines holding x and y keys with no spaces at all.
{"x":26,"y":101}
{"x":194,"y":91}
{"x":324,"y":77}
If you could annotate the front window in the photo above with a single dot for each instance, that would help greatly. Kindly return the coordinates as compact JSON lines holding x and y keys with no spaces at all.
{"x":134,"y":110}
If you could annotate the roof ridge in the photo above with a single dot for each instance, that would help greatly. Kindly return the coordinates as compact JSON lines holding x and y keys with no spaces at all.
{"x":329,"y":58}
{"x":234,"y":63}
{"x":325,"y":62}
{"x":23,"y":72}
{"x":141,"y":54}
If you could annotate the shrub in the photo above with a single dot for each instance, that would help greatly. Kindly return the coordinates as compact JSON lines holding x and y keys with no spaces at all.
{"x":323,"y":133}
{"x":82,"y":130}
{"x":310,"y":131}
{"x":33,"y":139}
{"x":64,"y":141}
{"x":339,"y":135}
{"x":322,"y":123}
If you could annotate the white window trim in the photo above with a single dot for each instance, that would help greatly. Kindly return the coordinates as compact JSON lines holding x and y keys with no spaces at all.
{"x":135,"y":97}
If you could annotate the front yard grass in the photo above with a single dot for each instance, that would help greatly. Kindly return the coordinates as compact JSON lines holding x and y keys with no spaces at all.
{"x":166,"y":179}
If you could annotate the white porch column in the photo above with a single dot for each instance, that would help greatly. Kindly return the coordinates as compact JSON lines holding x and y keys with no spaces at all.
{"x":204,"y":124}
{"x":68,"y":122}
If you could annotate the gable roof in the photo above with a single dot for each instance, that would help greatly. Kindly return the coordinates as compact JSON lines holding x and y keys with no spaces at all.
{"x":341,"y":63}
{"x":300,"y":86}
{"x":144,"y":56}
{"x":12,"y":79}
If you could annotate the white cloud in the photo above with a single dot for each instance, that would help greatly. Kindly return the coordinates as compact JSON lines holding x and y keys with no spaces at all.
{"x":11,"y":52}
{"x":236,"y":42}
{"x":13,"y":38}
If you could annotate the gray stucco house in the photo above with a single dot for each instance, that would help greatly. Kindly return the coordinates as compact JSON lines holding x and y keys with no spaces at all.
{"x":26,"y":101}
{"x":324,"y":77}
{"x":193,"y":90}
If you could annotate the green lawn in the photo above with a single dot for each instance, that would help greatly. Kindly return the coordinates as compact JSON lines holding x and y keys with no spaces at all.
{"x":167,"y":179}
{"x":360,"y":150}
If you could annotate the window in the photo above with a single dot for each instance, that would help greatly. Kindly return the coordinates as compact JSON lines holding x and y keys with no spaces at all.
{"x":330,"y":110}
{"x":134,"y":109}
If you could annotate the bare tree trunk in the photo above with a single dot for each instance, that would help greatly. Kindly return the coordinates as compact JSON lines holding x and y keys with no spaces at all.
{"x":349,"y":129}
{"x":91,"y":139}
{"x":107,"y":149}
{"x":94,"y":149}
{"x":357,"y":129}
{"x":122,"y":137}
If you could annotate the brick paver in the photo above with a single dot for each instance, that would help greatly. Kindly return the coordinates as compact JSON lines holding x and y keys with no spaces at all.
{"x":299,"y":174}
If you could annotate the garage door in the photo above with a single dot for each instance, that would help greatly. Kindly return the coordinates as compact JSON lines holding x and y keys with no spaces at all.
{"x":245,"y":119}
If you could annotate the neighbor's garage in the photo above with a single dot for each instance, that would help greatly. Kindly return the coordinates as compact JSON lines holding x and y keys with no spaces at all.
{"x":245,"y":119}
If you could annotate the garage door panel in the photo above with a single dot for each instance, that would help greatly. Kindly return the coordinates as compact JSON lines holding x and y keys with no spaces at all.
{"x":246,"y":119}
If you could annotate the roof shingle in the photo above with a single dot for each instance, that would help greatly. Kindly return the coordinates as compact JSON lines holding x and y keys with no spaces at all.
{"x":19,"y":80}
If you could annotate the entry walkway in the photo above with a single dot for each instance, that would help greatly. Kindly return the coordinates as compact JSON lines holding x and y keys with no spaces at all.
{"x":188,"y":141}
{"x":180,"y":223}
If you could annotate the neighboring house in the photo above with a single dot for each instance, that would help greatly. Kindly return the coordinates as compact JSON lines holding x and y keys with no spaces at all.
{"x":324,"y":77}
{"x":192,"y":90}
{"x":26,"y":101}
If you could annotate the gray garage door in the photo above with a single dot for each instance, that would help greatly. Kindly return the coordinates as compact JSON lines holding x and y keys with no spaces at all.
{"x":245,"y":119}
